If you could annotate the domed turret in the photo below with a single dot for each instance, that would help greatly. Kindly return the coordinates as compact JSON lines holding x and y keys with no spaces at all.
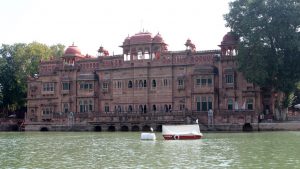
{"x":158,"y":39}
{"x":229,"y":44}
{"x":126,"y":41}
{"x":141,"y":38}
{"x":229,"y":39}
{"x":73,"y":51}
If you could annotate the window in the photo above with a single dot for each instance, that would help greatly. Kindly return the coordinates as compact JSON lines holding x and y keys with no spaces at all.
{"x":229,"y":104}
{"x":153,"y":83}
{"x":91,"y":105}
{"x":141,"y":108}
{"x":129,"y":84}
{"x":203,"y":82}
{"x":141,"y":83}
{"x":181,"y":107}
{"x":106,"y":108}
{"x":198,"y":104}
{"x":209,"y":103}
{"x":86,"y":105}
{"x":154,"y":108}
{"x":198,"y":82}
{"x":105,"y":85}
{"x":66,"y":107}
{"x":165,"y":81}
{"x":180,"y":82}
{"x":204,"y":104}
{"x":249,"y":104}
{"x":130,"y":108}
{"x":66,"y":86}
{"x":145,"y":83}
{"x":47,"y":110}
{"x":48,"y":87}
{"x":119,"y":84}
{"x":229,"y":79}
{"x":86,"y":86}
{"x":209,"y":81}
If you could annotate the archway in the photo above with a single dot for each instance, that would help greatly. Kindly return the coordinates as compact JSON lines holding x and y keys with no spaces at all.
{"x":135,"y":128}
{"x":44,"y":129}
{"x":97,"y":128}
{"x":111,"y":128}
{"x":159,"y":128}
{"x":124,"y":128}
{"x":146,"y":128}
{"x":247,"y":127}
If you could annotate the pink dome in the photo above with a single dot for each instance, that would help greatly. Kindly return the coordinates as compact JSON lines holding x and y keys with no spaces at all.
{"x":126,"y":41}
{"x":140,"y":38}
{"x":157,"y":39}
{"x":230,"y":38}
{"x":73,"y":51}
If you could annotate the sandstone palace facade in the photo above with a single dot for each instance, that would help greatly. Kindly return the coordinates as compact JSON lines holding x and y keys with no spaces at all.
{"x":146,"y":86}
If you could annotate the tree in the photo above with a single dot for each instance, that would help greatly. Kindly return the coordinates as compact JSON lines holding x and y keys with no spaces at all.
{"x":269,"y":48}
{"x":17,"y":62}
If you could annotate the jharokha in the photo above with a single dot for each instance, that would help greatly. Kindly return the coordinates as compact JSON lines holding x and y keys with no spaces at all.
{"x":146,"y":86}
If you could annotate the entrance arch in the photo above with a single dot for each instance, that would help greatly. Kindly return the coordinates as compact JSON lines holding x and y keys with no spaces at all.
{"x":146,"y":128}
{"x":44,"y":129}
{"x":135,"y":128}
{"x":124,"y":128}
{"x":111,"y":128}
{"x":247,"y":127}
{"x":159,"y":128}
{"x":97,"y":128}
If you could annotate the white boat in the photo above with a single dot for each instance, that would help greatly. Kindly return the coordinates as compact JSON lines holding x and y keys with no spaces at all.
{"x":148,"y":136}
{"x":181,"y":132}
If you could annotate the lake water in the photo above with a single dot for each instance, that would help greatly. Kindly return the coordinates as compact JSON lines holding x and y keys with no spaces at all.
{"x":126,"y":150}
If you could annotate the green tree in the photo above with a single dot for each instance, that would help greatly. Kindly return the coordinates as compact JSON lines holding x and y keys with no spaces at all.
{"x":17,"y":62}
{"x":269,"y":48}
{"x":57,"y":50}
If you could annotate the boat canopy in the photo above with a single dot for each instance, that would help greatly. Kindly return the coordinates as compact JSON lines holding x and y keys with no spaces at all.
{"x":181,"y":129}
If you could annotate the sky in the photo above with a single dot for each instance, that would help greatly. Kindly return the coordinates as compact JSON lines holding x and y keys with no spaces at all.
{"x":92,"y":23}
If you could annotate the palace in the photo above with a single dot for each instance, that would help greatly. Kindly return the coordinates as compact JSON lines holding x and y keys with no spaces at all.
{"x":146,"y":86}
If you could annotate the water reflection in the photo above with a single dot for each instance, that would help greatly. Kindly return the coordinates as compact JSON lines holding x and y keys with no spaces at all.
{"x":126,"y":150}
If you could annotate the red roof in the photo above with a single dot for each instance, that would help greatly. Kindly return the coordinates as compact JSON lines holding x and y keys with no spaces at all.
{"x":73,"y":51}
{"x":229,"y":38}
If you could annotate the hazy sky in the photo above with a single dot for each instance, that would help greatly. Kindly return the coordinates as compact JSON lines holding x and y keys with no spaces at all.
{"x":91,"y":23}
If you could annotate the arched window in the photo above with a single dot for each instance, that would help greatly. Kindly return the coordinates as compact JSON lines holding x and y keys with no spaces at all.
{"x":166,"y":108}
{"x":130,"y":108}
{"x":141,"y":83}
{"x":154,"y":108}
{"x":141,"y":108}
{"x":153,"y":83}
{"x":129,"y":84}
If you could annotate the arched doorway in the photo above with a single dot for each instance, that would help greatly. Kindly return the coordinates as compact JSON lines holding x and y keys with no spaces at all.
{"x":44,"y":129}
{"x":135,"y":128}
{"x":159,"y":128}
{"x":111,"y":128}
{"x":97,"y":128}
{"x":247,"y":127}
{"x":146,"y":128}
{"x":124,"y":128}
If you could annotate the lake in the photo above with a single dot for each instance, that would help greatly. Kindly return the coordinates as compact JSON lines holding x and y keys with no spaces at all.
{"x":126,"y":150}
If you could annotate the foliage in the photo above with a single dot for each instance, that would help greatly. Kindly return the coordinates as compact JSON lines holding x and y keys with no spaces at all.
{"x":17,"y":62}
{"x":269,"y":48}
